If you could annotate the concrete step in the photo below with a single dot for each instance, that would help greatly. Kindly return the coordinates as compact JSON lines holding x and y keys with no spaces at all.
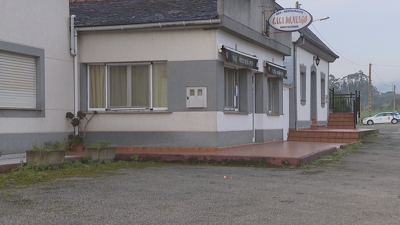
{"x":330,"y":136}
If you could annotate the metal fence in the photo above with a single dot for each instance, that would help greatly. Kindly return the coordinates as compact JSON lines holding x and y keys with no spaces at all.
{"x":345,"y":103}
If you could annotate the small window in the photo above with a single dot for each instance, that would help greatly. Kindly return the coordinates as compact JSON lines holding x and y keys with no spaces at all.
{"x":323,"y":84}
{"x":303,"y":86}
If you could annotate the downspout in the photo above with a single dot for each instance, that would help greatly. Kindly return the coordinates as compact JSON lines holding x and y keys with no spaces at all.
{"x":253,"y":83}
{"x":74,"y":52}
{"x":295,"y":80}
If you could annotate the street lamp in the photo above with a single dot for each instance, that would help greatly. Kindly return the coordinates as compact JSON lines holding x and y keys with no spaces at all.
{"x":317,"y":60}
{"x":325,"y":18}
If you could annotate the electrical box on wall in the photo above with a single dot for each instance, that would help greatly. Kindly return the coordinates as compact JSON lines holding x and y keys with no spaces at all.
{"x":196,"y":97}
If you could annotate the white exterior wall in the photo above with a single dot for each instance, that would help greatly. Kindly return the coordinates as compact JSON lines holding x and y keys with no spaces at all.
{"x":174,"y":122}
{"x":303,"y":111}
{"x":174,"y":45}
{"x":303,"y":58}
{"x":323,"y":67}
{"x":171,"y":45}
{"x":42,"y":24}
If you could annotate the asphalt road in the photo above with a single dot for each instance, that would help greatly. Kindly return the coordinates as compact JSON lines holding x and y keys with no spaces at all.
{"x":363,"y":189}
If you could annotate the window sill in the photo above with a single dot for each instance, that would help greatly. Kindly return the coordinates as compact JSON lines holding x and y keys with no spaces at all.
{"x":20,"y":109}
{"x":236,"y":112}
{"x":274,"y":114}
{"x":131,"y":112}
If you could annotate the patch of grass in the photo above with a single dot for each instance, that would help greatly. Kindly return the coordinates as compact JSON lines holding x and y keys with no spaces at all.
{"x":27,"y":175}
{"x":334,"y":157}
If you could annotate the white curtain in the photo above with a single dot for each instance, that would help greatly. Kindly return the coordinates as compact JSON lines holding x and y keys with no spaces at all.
{"x":118,"y":88}
{"x":97,"y":86}
{"x":160,"y":85}
{"x":140,"y":86}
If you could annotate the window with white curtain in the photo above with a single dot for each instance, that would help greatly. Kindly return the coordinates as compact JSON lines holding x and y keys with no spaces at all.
{"x":136,"y":85}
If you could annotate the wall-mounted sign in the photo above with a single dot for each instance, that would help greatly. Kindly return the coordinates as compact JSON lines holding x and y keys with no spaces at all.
{"x":239,"y":58}
{"x":275,"y":70}
{"x":289,"y":20}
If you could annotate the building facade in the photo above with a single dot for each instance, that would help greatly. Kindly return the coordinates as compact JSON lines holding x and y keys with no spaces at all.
{"x":182,"y":75}
{"x":36,"y":83}
{"x":309,"y":75}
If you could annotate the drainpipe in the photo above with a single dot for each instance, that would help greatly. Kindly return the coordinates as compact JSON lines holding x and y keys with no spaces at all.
{"x":294,"y":79}
{"x":74,"y":52}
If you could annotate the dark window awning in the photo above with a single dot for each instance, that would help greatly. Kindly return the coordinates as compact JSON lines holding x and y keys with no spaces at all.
{"x":275,"y":69}
{"x":239,"y":58}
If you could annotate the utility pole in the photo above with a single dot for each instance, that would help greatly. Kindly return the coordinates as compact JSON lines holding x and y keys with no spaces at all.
{"x":369,"y":91}
{"x":394,"y":98}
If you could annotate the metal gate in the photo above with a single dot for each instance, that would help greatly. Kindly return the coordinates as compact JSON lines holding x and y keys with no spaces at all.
{"x":345,"y":103}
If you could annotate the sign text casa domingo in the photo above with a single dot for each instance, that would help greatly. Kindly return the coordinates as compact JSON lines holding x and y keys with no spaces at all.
{"x":290,"y":20}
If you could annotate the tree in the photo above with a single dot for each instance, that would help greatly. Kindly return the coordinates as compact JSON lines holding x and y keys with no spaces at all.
{"x":334,"y":83}
{"x":352,"y":82}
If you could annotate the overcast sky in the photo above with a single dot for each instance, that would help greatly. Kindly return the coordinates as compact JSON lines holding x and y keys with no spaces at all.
{"x":360,"y":32}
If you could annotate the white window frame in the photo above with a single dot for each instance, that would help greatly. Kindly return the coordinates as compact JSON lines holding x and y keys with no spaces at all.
{"x":129,"y":88}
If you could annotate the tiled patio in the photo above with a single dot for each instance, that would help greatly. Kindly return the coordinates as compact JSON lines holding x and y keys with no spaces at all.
{"x":293,"y":153}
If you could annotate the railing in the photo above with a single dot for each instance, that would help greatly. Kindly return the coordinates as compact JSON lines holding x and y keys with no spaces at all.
{"x":345,"y":103}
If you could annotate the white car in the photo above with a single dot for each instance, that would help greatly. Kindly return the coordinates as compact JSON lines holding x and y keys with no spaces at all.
{"x":383,"y":117}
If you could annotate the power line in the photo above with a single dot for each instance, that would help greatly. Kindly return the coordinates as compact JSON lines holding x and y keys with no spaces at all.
{"x":345,"y":57}
{"x":335,"y":49}
{"x":378,"y":77}
{"x":387,"y":65}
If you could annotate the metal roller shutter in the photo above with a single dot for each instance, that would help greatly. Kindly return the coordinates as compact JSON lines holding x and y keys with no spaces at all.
{"x":17,"y":80}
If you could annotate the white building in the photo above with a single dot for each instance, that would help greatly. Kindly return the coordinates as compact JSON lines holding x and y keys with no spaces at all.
{"x":36,"y":83}
{"x":310,"y":93}
{"x":181,"y":75}
{"x":193,"y":75}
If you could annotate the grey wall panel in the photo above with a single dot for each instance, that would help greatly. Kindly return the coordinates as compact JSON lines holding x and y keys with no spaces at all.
{"x":155,"y":139}
{"x":172,"y":139}
{"x":232,"y":138}
{"x":19,"y":143}
{"x":261,"y":93}
{"x":245,"y":95}
{"x":182,"y":74}
{"x":304,"y":123}
{"x":220,"y":86}
{"x":292,"y":114}
{"x":269,"y":135}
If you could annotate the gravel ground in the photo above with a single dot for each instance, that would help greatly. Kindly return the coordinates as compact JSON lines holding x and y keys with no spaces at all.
{"x":363,"y":189}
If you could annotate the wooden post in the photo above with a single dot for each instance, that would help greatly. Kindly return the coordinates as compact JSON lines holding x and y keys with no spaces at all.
{"x":394,"y":98}
{"x":369,"y":91}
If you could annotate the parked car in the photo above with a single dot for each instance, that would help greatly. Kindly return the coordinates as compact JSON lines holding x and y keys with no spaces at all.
{"x":397,"y":115}
{"x":383,"y":117}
